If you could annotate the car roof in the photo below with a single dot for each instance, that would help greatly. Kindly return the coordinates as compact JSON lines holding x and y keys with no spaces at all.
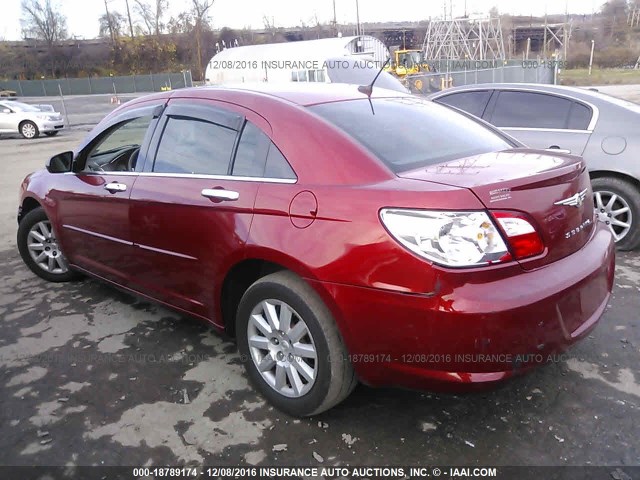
{"x":582,"y":93}
{"x":303,"y":93}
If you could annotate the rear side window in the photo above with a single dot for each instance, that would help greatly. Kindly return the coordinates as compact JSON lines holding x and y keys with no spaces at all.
{"x":530,"y":110}
{"x":408,"y":132}
{"x":277,"y":166}
{"x":580,"y":117}
{"x":252,"y":152}
{"x":257,"y":156}
{"x":194,"y":146}
{"x":471,"y":102}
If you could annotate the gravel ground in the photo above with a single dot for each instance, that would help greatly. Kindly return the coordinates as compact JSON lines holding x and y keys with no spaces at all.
{"x":92,"y":376}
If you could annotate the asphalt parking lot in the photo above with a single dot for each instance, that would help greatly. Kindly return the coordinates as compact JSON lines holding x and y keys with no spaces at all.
{"x":92,"y":376}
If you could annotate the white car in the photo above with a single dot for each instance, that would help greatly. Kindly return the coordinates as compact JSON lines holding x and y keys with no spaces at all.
{"x":28,"y":120}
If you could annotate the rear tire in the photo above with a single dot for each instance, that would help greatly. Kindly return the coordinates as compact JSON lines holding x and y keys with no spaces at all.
{"x":618,"y":202}
{"x":281,"y":321}
{"x":39,"y":248}
{"x":29,"y":130}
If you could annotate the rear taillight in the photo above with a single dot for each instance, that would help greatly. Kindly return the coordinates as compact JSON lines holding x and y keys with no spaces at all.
{"x":523,"y":238}
{"x":452,"y":239}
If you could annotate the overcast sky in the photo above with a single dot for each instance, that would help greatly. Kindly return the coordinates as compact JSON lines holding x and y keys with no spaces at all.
{"x":82,"y":15}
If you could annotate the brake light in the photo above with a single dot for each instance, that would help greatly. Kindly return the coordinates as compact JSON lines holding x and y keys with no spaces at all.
{"x":523,"y":239}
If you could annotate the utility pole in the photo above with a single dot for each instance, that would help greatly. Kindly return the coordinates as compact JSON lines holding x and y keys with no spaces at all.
{"x":593,"y":45}
{"x":335,"y":19}
{"x":544,"y":48}
{"x":357,"y":18}
{"x":566,"y":28}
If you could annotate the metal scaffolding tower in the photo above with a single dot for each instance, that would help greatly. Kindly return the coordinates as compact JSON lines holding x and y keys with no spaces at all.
{"x":464,"y":39}
{"x":541,"y":38}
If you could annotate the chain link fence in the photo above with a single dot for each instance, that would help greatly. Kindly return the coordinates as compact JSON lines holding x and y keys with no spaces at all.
{"x":449,"y":74}
{"x":99,"y":85}
{"x":523,"y":73}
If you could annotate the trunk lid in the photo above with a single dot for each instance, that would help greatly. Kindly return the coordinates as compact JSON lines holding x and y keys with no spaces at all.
{"x":539,"y":183}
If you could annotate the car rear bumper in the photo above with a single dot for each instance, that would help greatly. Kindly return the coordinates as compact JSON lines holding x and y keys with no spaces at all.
{"x":479,"y":331}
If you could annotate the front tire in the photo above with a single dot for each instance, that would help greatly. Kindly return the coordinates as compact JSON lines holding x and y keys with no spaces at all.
{"x":291,"y":347}
{"x":617,"y":204}
{"x":39,"y":248}
{"x":51,"y":134}
{"x":29,"y":130}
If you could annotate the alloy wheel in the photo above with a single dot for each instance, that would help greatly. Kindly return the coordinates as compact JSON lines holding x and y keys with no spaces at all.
{"x":614,"y":211}
{"x":282,"y":348}
{"x":29,"y":130}
{"x":44,"y":250}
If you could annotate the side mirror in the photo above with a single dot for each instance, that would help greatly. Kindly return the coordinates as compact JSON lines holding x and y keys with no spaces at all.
{"x":5,"y":110}
{"x":60,"y":163}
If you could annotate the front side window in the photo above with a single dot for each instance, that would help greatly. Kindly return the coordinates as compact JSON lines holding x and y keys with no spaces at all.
{"x":409,"y":132}
{"x":118,"y":148}
{"x":193,"y":146}
{"x":530,"y":110}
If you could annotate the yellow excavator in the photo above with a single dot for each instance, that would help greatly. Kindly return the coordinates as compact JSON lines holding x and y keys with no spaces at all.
{"x":413,"y":71}
{"x":406,"y":62}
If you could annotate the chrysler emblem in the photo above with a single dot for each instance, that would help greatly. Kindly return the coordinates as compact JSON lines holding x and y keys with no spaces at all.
{"x":575,"y":200}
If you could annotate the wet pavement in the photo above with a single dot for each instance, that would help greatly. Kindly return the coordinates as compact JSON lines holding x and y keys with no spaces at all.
{"x":93,"y":376}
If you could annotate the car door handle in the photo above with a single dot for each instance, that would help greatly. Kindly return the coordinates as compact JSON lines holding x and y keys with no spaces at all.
{"x":557,"y":149}
{"x":220,"y":194}
{"x":114,"y":187}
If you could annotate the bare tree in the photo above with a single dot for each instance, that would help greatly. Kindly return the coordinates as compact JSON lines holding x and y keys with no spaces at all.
{"x":183,"y":23}
{"x":108,"y":19}
{"x":112,"y":24}
{"x":43,"y":21}
{"x":269,"y":25}
{"x":152,"y":14}
{"x":199,"y":9}
{"x":129,"y":17}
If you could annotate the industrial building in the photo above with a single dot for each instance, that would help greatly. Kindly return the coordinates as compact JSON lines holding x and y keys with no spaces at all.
{"x":303,"y":61}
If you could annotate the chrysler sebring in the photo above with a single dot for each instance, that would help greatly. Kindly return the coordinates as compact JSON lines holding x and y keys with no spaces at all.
{"x":338,"y":236}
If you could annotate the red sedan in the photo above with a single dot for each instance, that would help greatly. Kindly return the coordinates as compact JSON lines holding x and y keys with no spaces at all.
{"x":338,"y":237}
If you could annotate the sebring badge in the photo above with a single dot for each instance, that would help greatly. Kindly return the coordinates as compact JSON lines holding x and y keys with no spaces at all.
{"x":578,"y":229}
{"x":574,"y":201}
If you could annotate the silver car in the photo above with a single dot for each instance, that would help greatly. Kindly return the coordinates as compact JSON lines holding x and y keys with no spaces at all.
{"x":29,"y":120}
{"x":603,"y":129}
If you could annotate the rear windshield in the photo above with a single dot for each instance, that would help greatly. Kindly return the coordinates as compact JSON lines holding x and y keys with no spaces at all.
{"x":408,"y":133}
